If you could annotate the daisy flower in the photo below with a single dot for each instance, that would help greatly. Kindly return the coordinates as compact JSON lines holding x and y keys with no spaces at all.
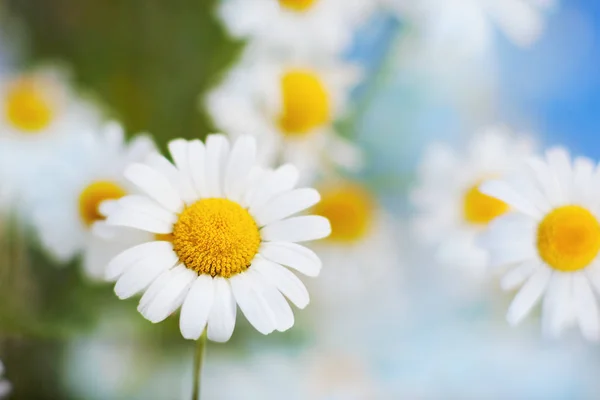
{"x":295,"y":25}
{"x":452,"y":211}
{"x":360,"y":232}
{"x":5,"y":386}
{"x":290,"y":107}
{"x":550,"y":242}
{"x":69,"y":214}
{"x":226,"y":232}
{"x":38,"y":114}
{"x":470,"y":24}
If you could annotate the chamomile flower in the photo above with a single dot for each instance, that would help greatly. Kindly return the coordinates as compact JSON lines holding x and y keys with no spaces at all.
{"x":296,"y":25}
{"x":550,"y":241}
{"x":38,"y":114}
{"x":452,"y":211}
{"x":360,"y":233}
{"x":69,"y":213}
{"x":290,"y":107}
{"x":469,"y":24}
{"x":5,"y":386}
{"x":226,"y":232}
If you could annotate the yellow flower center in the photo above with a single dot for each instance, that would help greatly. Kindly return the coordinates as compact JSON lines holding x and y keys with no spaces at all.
{"x":297,"y":5}
{"x":216,"y":237}
{"x":350,"y":210}
{"x":305,"y":102}
{"x":568,"y":238}
{"x":480,"y":209}
{"x":94,"y":194}
{"x":27,"y":107}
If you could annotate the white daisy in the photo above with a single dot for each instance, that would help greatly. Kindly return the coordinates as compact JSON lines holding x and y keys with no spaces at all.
{"x":290,"y":107}
{"x":5,"y":386}
{"x":297,"y":26}
{"x":468,"y":25}
{"x":229,"y":230}
{"x":38,"y":114}
{"x":451,"y":209}
{"x":360,"y":233}
{"x":68,"y":212}
{"x":550,"y":242}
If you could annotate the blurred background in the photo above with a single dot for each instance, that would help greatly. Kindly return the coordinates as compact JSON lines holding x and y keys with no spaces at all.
{"x":386,"y":322}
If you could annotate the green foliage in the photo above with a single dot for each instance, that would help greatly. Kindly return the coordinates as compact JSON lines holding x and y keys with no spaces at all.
{"x":148,"y":60}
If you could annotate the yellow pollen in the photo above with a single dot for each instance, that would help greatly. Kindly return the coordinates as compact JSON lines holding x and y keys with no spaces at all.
{"x":480,"y":209}
{"x":305,"y":102}
{"x":27,"y":106}
{"x":216,"y":237}
{"x":94,"y":194}
{"x":350,"y":209}
{"x":568,"y":238}
{"x":297,"y":5}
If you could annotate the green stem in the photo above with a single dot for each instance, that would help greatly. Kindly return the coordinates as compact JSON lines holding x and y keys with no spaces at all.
{"x":198,"y":360}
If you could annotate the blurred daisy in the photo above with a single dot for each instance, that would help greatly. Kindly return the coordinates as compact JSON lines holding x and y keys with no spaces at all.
{"x":290,"y":107}
{"x":5,"y":386}
{"x":452,"y":211}
{"x":360,"y":233}
{"x":226,"y":230}
{"x":296,"y":25}
{"x":38,"y":113}
{"x":69,"y":213}
{"x":550,"y":242}
{"x":469,"y":24}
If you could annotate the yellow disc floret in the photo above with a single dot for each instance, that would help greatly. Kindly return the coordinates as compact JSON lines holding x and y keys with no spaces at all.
{"x":350,"y":210}
{"x":305,"y":102}
{"x":568,"y":238}
{"x":297,"y":5}
{"x":94,"y":194}
{"x":27,"y":107}
{"x":480,"y":209}
{"x":216,"y":237}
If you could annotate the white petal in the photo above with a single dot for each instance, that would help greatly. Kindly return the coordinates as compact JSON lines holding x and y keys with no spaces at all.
{"x":284,"y":280}
{"x":528,"y":296}
{"x":135,"y":219}
{"x":256,"y":176}
{"x":146,"y":205}
{"x":170,"y":297}
{"x":280,"y":311}
{"x":196,"y":159}
{"x":151,"y":250}
{"x":155,"y":185}
{"x":586,"y":308}
{"x":547,"y":181}
{"x":583,"y":179}
{"x":240,"y":163}
{"x":217,"y":150}
{"x":557,"y":309}
{"x":196,"y":307}
{"x":518,"y":275}
{"x":292,"y":255}
{"x":179,"y":152}
{"x":501,"y":190}
{"x":297,"y":229}
{"x":139,"y":276}
{"x":560,"y":164}
{"x":108,"y":206}
{"x":221,"y":320}
{"x":281,"y":180}
{"x":247,"y":292}
{"x":285,"y":205}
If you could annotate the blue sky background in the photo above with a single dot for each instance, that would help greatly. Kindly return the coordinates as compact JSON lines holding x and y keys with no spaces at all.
{"x":555,"y":85}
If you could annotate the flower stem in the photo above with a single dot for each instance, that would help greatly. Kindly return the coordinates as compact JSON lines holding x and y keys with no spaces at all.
{"x":198,"y":360}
